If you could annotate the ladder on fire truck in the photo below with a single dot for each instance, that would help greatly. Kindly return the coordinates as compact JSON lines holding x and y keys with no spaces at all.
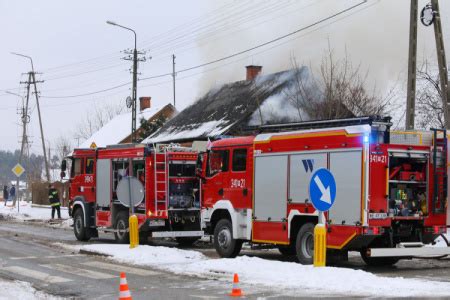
{"x":161,"y":176}
{"x":439,"y":170}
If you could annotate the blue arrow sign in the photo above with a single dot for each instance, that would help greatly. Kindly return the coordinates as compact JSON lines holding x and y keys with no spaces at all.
{"x":322,"y":189}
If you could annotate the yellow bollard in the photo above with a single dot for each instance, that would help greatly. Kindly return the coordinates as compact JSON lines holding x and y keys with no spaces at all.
{"x":320,"y":245}
{"x":134,"y":231}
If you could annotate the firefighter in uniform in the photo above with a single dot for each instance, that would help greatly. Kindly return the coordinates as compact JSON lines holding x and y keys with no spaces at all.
{"x":53,"y":198}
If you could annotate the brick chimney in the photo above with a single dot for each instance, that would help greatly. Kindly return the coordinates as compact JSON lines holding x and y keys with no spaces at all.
{"x":253,"y":71}
{"x":144,"y":103}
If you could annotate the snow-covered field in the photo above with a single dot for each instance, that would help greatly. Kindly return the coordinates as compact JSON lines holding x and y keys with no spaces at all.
{"x":27,"y":212}
{"x":21,"y":290}
{"x":288,"y":277}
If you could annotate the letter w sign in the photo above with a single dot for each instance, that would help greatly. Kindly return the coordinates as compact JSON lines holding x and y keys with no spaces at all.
{"x":308,"y":164}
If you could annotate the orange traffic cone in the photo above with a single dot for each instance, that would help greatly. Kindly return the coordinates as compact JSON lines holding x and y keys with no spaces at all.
{"x":124,"y":291}
{"x":236,"y":291}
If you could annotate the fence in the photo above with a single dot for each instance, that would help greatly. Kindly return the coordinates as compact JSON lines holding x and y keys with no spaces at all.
{"x":39,"y":192}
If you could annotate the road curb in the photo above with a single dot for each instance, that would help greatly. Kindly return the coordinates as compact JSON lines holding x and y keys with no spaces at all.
{"x":93,"y":253}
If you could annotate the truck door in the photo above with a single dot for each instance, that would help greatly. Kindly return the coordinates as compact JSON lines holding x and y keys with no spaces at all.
{"x":82,"y":177}
{"x":237,"y":188}
{"x":89,"y":179}
{"x":216,"y":174}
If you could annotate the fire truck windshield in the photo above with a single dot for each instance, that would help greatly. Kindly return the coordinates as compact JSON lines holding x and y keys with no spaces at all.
{"x":181,"y":170}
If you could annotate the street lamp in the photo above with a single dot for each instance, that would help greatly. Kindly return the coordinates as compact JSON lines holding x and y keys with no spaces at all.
{"x":26,"y":56}
{"x":135,"y":60}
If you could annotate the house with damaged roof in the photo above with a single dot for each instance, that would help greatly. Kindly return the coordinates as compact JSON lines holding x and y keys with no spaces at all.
{"x":234,"y":108}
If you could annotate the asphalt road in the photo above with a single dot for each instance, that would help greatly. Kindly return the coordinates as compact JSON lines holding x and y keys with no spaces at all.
{"x":28,"y":253}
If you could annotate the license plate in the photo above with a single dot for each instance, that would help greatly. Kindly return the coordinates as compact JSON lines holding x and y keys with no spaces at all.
{"x":379,"y":216}
{"x":157,"y":223}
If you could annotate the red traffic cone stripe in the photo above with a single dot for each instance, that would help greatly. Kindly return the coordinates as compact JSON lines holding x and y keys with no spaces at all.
{"x":236,"y":291}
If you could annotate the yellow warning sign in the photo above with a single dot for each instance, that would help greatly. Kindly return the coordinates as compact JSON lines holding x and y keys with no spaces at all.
{"x":93,"y":145}
{"x":18,"y":170}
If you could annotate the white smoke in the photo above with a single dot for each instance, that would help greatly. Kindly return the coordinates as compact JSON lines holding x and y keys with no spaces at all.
{"x":375,"y":36}
{"x":276,"y":109}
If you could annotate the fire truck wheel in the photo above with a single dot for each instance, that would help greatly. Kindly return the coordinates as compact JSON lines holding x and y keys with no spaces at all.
{"x":304,"y":245}
{"x":121,"y":233}
{"x":378,"y":261}
{"x":186,"y":241}
{"x":79,"y":228}
{"x":226,"y":246}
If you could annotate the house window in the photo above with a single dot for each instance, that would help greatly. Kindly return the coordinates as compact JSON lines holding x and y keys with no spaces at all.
{"x":218,"y":161}
{"x":239,"y":159}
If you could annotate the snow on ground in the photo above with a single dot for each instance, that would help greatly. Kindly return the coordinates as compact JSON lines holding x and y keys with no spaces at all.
{"x":28,"y":212}
{"x":21,"y":290}
{"x":285,"y":276}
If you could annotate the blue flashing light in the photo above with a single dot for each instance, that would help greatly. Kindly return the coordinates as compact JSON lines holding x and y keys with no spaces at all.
{"x":366,"y":139}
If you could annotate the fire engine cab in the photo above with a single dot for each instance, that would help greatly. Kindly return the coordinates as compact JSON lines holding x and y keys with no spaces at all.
{"x":391,"y":189}
{"x":157,"y":183}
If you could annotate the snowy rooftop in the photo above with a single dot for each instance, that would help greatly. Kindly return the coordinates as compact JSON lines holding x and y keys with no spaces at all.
{"x":118,"y":128}
{"x":231,"y":108}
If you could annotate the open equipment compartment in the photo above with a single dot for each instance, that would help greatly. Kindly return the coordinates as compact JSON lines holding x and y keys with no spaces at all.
{"x":408,"y":184}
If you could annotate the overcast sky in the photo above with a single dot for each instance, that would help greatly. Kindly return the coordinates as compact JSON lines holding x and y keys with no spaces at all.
{"x":78,"y":53}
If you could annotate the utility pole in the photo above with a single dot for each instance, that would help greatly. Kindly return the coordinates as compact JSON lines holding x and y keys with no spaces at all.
{"x":133,"y":55}
{"x":32,"y":81}
{"x":412,"y":65}
{"x":25,"y":119}
{"x":442,"y":62}
{"x":173,"y":76}
{"x":47,"y":172}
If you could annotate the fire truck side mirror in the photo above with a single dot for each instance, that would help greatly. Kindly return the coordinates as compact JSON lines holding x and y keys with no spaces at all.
{"x":200,"y":170}
{"x":63,"y":174}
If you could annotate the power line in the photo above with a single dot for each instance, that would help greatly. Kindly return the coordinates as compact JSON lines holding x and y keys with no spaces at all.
{"x":228,"y":56}
{"x":206,"y":37}
{"x":165,"y":41}
{"x":91,"y":93}
{"x":265,"y":43}
{"x":207,"y":70}
{"x":238,"y":17}
{"x":231,"y":20}
{"x":85,"y":72}
{"x":109,"y":56}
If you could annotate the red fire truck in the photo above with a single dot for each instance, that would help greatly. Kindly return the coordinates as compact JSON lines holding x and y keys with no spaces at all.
{"x":391,"y":189}
{"x":159,"y":179}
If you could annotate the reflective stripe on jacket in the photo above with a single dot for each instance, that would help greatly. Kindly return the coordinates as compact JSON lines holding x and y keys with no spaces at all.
{"x":53,"y":197}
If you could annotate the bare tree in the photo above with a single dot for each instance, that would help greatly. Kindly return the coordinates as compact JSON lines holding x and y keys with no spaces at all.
{"x":96,"y":118}
{"x":337,"y":90}
{"x":429,"y":109}
{"x":63,"y":147}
